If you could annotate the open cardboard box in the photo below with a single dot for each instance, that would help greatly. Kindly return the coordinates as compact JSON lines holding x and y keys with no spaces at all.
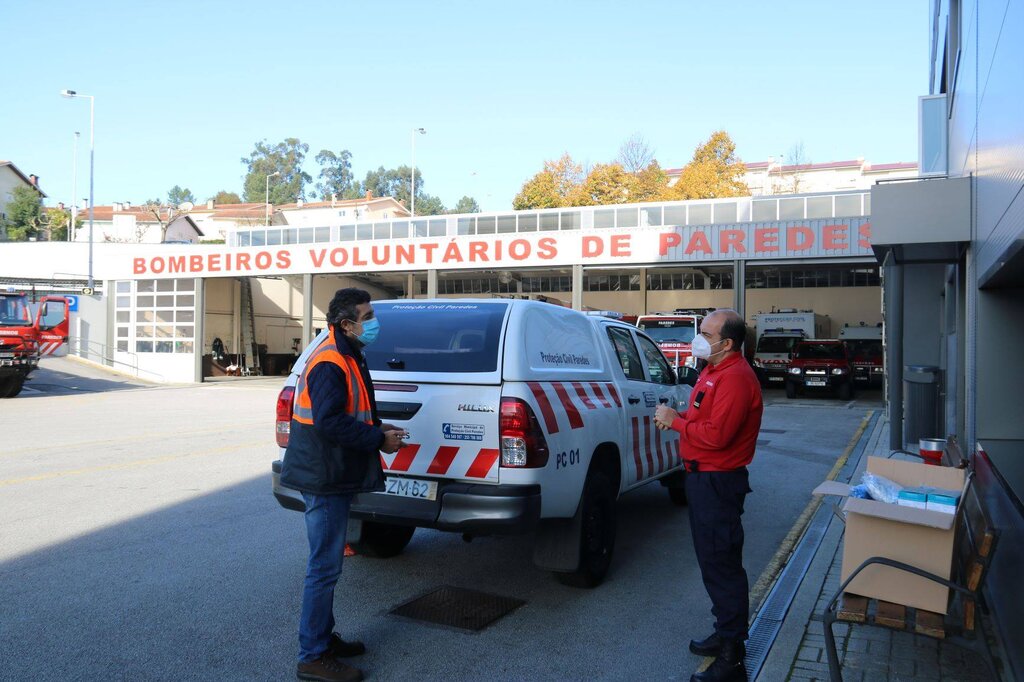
{"x":918,"y":537}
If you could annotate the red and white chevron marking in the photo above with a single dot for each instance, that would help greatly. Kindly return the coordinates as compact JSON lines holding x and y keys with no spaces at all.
{"x":448,"y":460}
{"x":564,"y":403}
{"x":657,"y":449}
{"x":49,"y":347}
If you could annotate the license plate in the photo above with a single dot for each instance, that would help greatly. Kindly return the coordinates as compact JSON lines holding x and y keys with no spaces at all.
{"x":815,"y":382}
{"x":776,"y":378}
{"x":410,"y":487}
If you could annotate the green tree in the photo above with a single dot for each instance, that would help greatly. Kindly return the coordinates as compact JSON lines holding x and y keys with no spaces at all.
{"x":715,"y":171}
{"x":57,"y":220}
{"x":428,"y":204}
{"x":466,"y":204}
{"x":24,"y":215}
{"x":335,"y":174}
{"x":178,"y":195}
{"x":284,"y":158}
{"x":552,"y":187}
{"x":394,"y":182}
{"x":226,"y":197}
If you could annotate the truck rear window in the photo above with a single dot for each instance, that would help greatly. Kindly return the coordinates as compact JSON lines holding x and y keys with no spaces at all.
{"x":437,"y":337}
{"x":820,"y":351}
{"x":669,"y":331}
{"x":775,"y":344}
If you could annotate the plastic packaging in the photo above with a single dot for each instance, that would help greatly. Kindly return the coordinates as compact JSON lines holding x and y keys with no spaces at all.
{"x":860,"y":491}
{"x":881,"y":488}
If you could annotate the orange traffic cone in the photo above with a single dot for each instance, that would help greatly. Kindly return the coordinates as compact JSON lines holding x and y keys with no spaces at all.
{"x":349,"y":550}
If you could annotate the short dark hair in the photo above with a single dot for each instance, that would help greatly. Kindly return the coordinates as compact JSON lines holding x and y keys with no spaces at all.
{"x":736,"y":329}
{"x":343,"y":305}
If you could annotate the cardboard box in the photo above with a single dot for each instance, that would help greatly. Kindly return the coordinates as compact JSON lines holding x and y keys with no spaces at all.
{"x":918,"y":537}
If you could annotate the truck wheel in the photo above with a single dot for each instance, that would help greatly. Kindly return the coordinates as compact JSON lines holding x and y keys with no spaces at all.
{"x":790,"y":389}
{"x":11,"y":386}
{"x":383,"y":540}
{"x":597,"y":533}
{"x":845,"y":391}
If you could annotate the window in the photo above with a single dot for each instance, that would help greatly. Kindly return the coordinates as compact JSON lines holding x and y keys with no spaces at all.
{"x":160,"y":323}
{"x":625,"y":351}
{"x":700,"y":214}
{"x":657,"y":366}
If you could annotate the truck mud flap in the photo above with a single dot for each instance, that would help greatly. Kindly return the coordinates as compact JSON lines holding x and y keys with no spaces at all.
{"x":557,"y":545}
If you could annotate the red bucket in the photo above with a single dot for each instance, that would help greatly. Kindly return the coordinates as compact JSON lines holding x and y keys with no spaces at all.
{"x":931,"y":450}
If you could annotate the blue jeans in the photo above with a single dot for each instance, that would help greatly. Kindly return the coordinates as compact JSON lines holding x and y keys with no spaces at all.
{"x":326,"y":524}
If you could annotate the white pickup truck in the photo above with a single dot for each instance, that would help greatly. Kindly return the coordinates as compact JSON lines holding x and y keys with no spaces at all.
{"x":522,"y":416}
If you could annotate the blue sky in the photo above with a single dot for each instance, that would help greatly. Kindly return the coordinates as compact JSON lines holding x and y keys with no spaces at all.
{"x":184,"y":90}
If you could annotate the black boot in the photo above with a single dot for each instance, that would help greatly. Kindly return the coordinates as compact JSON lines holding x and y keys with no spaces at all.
{"x":709,"y":646}
{"x":728,"y":667}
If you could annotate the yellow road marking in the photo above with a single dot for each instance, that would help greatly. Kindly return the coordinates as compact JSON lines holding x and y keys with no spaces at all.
{"x":128,"y":465}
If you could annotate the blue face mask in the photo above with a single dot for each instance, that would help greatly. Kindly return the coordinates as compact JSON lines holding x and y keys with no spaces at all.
{"x":371,"y":328}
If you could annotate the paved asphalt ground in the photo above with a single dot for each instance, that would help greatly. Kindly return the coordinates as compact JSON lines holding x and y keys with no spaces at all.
{"x":140,"y":540}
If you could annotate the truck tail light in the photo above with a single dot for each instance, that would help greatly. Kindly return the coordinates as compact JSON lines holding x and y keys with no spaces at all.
{"x":283,"y":425}
{"x":522,"y":440}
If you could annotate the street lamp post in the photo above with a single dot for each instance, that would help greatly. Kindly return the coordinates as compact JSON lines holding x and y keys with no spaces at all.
{"x":92,"y":165}
{"x":74,"y":189}
{"x":266,"y":197}
{"x":412,"y":176}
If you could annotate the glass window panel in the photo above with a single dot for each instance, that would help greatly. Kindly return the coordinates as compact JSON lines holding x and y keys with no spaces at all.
{"x":184,"y":332}
{"x":867,"y":204}
{"x":819,"y":207}
{"x":144,"y":331}
{"x":847,"y":205}
{"x":165,"y":316}
{"x":122,"y":332}
{"x":184,"y":316}
{"x":382,"y":230}
{"x":549,"y":221}
{"x":465,"y":226}
{"x":146,"y":285}
{"x":791,"y":209}
{"x":700,"y":214}
{"x":165,"y":301}
{"x":364,"y":231}
{"x":165,"y":285}
{"x":506,"y":224}
{"x":762,"y":211}
{"x":438,"y":228}
{"x":650,"y":215}
{"x":259,"y":238}
{"x":186,"y":301}
{"x":626,"y":217}
{"x":124,"y":302}
{"x":420,"y":228}
{"x":124,"y":287}
{"x":322,"y":234}
{"x":528,"y":222}
{"x":604,"y":217}
{"x":569,"y":220}
{"x":486,"y":225}
{"x":634,"y":282}
{"x":306,"y":235}
{"x":347,"y":233}
{"x":144,"y":301}
{"x":123,"y":316}
{"x":290,"y":235}
{"x":123,"y":346}
{"x":244,"y":239}
{"x":933,"y":118}
{"x":675,"y":215}
{"x":164,"y":331}
{"x":183,"y":347}
{"x":164,"y":346}
{"x":725,"y":212}
{"x":400,"y":230}
{"x":186,"y":284}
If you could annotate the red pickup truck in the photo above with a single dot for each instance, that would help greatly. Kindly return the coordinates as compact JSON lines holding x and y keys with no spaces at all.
{"x":820,"y":364}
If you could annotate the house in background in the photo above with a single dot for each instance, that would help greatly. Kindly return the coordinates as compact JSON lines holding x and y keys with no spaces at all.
{"x":10,"y":179}
{"x":123,"y":223}
{"x":773,"y":177}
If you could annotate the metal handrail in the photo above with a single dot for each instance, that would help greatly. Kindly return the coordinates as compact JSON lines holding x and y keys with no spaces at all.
{"x":106,"y":359}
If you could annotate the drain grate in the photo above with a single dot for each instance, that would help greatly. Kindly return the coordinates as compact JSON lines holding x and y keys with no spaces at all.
{"x":458,"y":607}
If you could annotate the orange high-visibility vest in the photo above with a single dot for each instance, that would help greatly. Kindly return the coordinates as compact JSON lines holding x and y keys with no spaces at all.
{"x":358,"y":403}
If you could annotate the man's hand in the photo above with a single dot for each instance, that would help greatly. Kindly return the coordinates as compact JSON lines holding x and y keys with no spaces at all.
{"x":392,"y":440}
{"x":664,"y":416}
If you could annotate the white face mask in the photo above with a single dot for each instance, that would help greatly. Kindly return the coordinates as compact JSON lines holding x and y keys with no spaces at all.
{"x":702,"y":349}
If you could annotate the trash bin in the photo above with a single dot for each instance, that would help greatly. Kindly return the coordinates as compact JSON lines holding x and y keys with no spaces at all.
{"x":920,"y":403}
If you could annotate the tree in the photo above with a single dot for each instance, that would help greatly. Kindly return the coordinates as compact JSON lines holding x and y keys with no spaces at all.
{"x":57,"y":220}
{"x":226,"y":197}
{"x":164,"y":214}
{"x":651,"y":184}
{"x":285,"y":158}
{"x":605,"y":184}
{"x":466,"y":205}
{"x":428,"y":204}
{"x":789,"y":181}
{"x":715,"y":171}
{"x":635,"y":154}
{"x":177,"y":196}
{"x":335,"y":174}
{"x":394,"y":182}
{"x":551,"y":187}
{"x":24,"y":215}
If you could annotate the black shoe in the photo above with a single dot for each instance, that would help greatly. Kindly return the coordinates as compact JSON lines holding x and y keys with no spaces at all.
{"x":728,"y":667}
{"x":327,"y":669}
{"x":339,"y":648}
{"x":709,"y":646}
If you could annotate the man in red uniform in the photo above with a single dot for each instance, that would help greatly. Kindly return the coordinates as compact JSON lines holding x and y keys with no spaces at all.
{"x":717,"y":435}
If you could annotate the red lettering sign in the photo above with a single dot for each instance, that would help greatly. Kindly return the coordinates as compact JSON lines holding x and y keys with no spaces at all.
{"x":731,"y":239}
{"x":667,"y":241}
{"x":621,"y":246}
{"x":834,"y":237}
{"x":766,"y":240}
{"x":592,"y":246}
{"x":799,"y":238}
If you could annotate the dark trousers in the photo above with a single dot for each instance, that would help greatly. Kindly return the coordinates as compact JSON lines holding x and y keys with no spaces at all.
{"x":715,"y":500}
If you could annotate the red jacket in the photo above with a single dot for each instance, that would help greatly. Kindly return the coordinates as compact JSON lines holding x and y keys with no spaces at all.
{"x":719,"y":430}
